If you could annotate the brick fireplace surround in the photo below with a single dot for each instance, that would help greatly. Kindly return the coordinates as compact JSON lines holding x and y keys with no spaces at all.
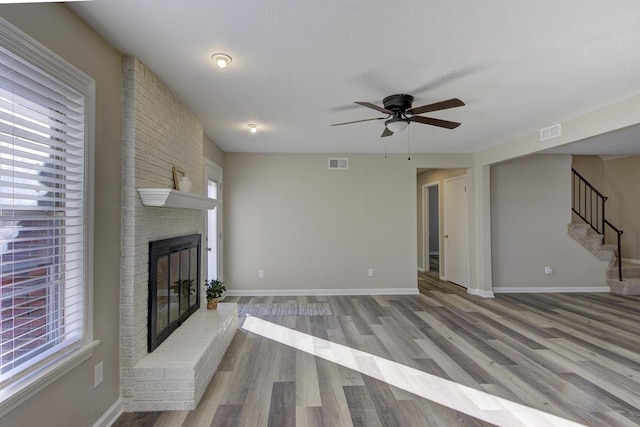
{"x":159,"y":133}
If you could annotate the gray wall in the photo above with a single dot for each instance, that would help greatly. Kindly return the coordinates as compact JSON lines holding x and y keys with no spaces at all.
{"x":213,"y":152}
{"x":591,"y":168}
{"x":309,"y":227}
{"x":72,"y":400}
{"x":530,"y":211}
{"x":621,"y":179}
{"x":616,"y":178}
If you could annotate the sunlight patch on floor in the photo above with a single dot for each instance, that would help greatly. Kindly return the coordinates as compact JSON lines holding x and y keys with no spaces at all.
{"x":475,"y":403}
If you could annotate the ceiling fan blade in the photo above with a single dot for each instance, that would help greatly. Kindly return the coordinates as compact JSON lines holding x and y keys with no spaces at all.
{"x":442,"y":105}
{"x":435,"y":122}
{"x":375,"y":107}
{"x":358,"y":121}
{"x":386,"y":132}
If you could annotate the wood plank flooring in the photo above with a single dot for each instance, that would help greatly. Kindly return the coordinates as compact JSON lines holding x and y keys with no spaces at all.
{"x":576,"y":356}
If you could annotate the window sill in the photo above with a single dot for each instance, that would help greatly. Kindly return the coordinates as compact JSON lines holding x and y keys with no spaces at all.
{"x":17,"y":393}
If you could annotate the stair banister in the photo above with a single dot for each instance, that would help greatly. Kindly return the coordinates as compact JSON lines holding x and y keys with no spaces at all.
{"x":619,"y":233}
{"x":600,"y":221}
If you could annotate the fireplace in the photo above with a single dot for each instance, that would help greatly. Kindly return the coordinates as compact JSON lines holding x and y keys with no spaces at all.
{"x":174,"y":285}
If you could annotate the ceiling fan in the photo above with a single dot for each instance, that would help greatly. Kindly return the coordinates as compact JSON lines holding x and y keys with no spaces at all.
{"x":400,"y":113}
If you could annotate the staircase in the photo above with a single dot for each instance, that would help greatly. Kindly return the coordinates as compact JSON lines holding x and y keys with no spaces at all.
{"x":589,"y":205}
{"x":630,"y":284}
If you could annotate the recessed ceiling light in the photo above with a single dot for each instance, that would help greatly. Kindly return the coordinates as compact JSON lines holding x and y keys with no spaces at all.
{"x":253,"y":128}
{"x":221,"y":60}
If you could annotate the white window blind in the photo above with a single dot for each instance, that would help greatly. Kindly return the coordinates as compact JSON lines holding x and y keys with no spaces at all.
{"x":42,"y":211}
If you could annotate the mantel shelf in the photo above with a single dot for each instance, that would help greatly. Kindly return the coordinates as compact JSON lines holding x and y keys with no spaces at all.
{"x":169,"y":198}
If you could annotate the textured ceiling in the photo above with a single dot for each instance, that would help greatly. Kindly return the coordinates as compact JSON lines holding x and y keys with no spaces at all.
{"x":299,"y":65}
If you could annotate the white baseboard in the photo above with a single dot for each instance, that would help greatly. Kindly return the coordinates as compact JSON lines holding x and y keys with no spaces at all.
{"x":108,"y":418}
{"x":631,"y":261}
{"x":317,"y":292}
{"x":480,"y":293}
{"x":421,"y":269}
{"x":545,"y":290}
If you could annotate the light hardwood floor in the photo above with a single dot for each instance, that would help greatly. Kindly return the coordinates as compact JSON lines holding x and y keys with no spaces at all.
{"x":576,"y":356}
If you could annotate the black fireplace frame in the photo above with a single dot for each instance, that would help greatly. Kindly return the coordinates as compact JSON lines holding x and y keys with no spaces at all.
{"x":157,"y":249}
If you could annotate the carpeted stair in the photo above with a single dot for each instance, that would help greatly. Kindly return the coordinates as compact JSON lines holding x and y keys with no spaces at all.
{"x":630,"y":284}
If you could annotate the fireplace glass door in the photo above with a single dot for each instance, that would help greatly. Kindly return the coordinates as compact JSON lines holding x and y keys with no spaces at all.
{"x":174,"y":294}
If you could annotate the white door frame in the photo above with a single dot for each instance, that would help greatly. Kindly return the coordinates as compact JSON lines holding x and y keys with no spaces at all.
{"x":444,"y":230}
{"x":215,"y":170}
{"x":426,"y":264}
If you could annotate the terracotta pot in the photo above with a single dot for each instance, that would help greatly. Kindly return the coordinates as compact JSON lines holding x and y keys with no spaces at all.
{"x":212,"y":304}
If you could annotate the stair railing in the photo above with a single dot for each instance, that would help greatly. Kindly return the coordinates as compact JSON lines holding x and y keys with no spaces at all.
{"x":588,"y":203}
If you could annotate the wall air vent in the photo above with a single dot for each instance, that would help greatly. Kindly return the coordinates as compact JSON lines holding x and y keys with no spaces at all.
{"x":551,"y":132}
{"x":335,"y":163}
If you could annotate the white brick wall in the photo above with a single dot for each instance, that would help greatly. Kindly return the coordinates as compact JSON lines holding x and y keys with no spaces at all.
{"x":176,"y":374}
{"x":159,"y":132}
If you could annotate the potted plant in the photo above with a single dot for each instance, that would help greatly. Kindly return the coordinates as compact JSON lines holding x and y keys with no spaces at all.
{"x":213,"y":290}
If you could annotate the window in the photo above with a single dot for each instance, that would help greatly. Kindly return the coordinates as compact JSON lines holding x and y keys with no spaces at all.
{"x":45,"y":214}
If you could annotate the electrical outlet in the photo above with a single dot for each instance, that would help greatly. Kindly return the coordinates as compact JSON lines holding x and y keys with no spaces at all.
{"x":370,"y":272}
{"x":261,"y":274}
{"x":548,"y":270}
{"x":98,"y":374}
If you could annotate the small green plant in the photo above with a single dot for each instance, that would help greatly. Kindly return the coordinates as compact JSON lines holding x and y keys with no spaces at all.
{"x":214,"y":288}
{"x":183,"y":285}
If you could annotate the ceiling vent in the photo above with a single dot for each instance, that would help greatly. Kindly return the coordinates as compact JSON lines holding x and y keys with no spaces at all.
{"x":342,"y":163}
{"x":551,"y":132}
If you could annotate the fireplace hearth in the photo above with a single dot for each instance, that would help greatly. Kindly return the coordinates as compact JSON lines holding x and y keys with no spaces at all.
{"x":174,"y":285}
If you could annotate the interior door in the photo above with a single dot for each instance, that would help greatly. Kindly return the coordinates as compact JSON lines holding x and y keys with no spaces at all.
{"x":456,"y":232}
{"x":213,"y":238}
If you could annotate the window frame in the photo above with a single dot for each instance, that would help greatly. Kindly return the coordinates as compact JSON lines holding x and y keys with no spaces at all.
{"x":213,"y":172}
{"x":30,"y":50}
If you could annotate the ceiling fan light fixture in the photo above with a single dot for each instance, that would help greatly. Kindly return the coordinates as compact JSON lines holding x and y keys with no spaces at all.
{"x":397,"y":124}
{"x":221,"y":60}
{"x":253,"y":128}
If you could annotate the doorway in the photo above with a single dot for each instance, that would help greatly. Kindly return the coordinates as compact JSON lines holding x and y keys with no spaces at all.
{"x":431,"y":228}
{"x":213,"y":222}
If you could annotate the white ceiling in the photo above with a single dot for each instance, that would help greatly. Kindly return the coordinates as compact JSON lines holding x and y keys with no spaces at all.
{"x":299,"y":65}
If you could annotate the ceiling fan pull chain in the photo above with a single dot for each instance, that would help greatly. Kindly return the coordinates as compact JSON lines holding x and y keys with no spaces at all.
{"x":409,"y":143}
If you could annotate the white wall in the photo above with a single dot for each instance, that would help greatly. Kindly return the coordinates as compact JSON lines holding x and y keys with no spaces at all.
{"x":310,"y":228}
{"x":160,"y":132}
{"x":530,"y":211}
